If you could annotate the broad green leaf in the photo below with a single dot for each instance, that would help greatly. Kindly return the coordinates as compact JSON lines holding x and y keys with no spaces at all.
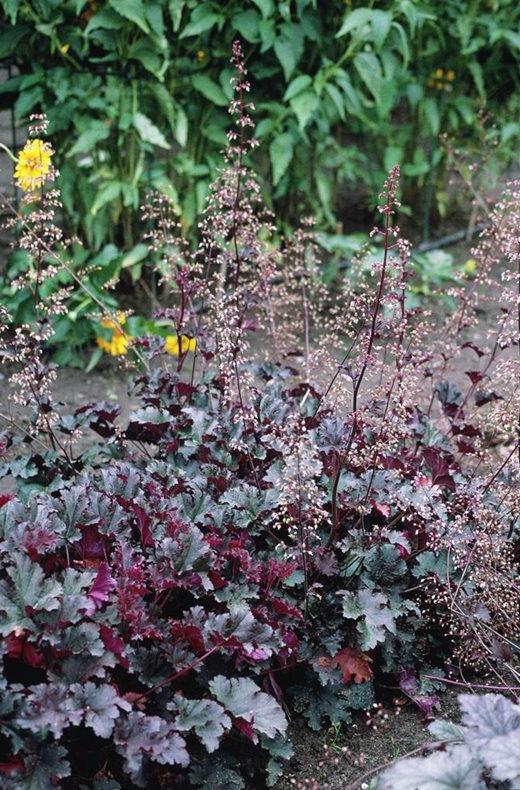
{"x":11,"y":9}
{"x":354,"y":20}
{"x":281,"y":153}
{"x":404,"y":46}
{"x":27,"y":101}
{"x":381,"y":22}
{"x":176,"y":8}
{"x":267,"y":33}
{"x":205,"y":85}
{"x":512,"y":37}
{"x":148,"y":131}
{"x":133,"y":10}
{"x":130,"y":194}
{"x":509,"y":130}
{"x":181,"y":127}
{"x":106,"y":19}
{"x":246,"y":24}
{"x":297,"y":85}
{"x":289,"y":48}
{"x":393,"y":156}
{"x":337,"y":98}
{"x":107,"y":192}
{"x":96,"y":132}
{"x":154,"y":16}
{"x":432,"y":114}
{"x":10,"y":39}
{"x":266,"y":7}
{"x":324,"y":186}
{"x":476,"y":72}
{"x":165,"y":101}
{"x":149,"y":56}
{"x":195,"y":28}
{"x":369,"y":69}
{"x":304,"y":105}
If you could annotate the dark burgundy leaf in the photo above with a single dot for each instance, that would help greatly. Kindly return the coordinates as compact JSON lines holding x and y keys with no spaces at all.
{"x":102,"y":586}
{"x":474,"y":376}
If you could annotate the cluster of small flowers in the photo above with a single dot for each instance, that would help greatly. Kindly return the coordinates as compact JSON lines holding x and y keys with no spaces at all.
{"x":303,"y":505}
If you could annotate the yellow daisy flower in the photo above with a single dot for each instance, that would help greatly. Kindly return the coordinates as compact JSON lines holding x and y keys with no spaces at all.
{"x":110,"y":323}
{"x":171,"y":344}
{"x":120,"y":342}
{"x":33,"y":165}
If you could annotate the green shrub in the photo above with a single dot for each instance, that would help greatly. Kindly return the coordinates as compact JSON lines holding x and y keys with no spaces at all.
{"x":137,"y":93}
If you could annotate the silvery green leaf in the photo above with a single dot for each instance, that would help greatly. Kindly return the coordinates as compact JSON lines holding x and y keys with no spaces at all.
{"x":44,"y":766}
{"x":502,"y":755}
{"x":101,"y":706}
{"x":373,"y":615}
{"x":487,"y":715}
{"x":138,"y":735}
{"x":242,"y":698}
{"x":444,"y":730}
{"x":30,"y":589}
{"x":49,"y":707}
{"x":205,"y":716}
{"x":453,"y":770}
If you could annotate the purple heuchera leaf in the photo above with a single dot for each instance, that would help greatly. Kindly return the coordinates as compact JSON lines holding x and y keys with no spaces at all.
{"x":138,"y":735}
{"x":49,"y":707}
{"x":101,"y":706}
{"x":102,"y":586}
{"x":205,"y":716}
{"x":114,"y":644}
{"x":409,"y":685}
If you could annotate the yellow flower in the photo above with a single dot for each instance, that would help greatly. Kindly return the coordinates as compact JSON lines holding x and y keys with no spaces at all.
{"x":470,"y":266}
{"x":450,"y":75}
{"x":438,"y":73}
{"x":110,"y":323}
{"x":171,"y":344}
{"x":119,"y":342}
{"x":200,"y":54}
{"x":33,"y":165}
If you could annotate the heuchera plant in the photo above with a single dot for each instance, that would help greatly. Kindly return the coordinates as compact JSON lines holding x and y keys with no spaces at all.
{"x":247,"y":545}
{"x":482,"y":751}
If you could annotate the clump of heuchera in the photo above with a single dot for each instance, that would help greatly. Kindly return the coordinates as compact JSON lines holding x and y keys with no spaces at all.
{"x":255,"y":540}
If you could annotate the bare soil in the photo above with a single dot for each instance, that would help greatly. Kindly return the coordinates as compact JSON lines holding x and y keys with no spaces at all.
{"x":357,"y":752}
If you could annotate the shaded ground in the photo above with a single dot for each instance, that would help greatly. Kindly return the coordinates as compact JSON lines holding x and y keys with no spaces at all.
{"x":358,"y":750}
{"x":72,"y":388}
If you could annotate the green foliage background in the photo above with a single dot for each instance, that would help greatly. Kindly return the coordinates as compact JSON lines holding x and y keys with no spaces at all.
{"x":137,"y":94}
